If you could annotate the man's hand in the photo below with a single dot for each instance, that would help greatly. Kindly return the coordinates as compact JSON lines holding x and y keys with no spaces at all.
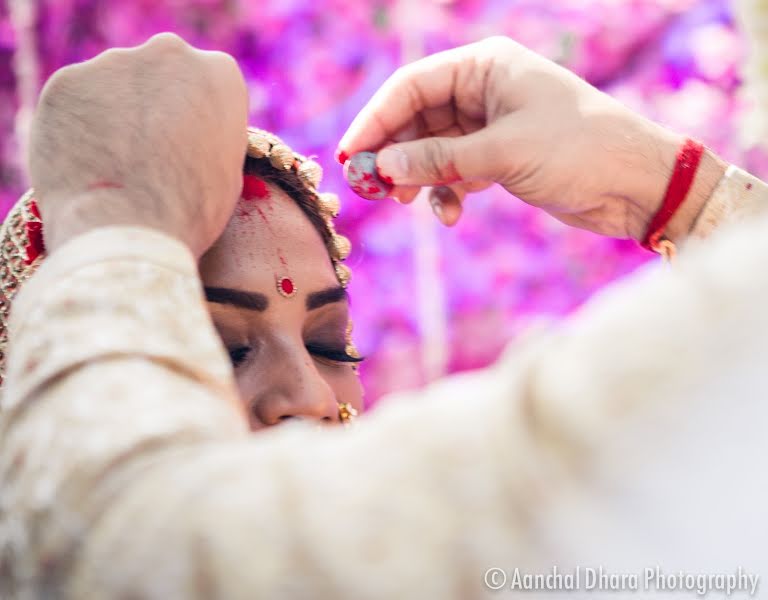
{"x":153,"y":135}
{"x":494,"y":111}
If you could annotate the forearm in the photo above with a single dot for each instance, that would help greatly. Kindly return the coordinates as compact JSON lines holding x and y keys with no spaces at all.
{"x":124,"y":458}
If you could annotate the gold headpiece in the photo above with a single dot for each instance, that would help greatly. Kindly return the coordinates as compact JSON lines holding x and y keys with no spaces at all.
{"x":263,"y":144}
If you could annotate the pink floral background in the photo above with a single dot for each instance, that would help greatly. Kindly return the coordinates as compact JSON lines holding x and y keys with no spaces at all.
{"x":425,"y":300}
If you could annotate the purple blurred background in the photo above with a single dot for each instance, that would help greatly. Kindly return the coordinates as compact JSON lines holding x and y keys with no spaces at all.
{"x":425,"y":300}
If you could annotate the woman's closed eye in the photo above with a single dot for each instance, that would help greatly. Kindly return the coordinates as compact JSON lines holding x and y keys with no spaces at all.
{"x":239,"y":354}
{"x":331,"y":354}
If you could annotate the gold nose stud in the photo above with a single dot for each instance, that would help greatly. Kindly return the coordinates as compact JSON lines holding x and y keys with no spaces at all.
{"x":347,"y":412}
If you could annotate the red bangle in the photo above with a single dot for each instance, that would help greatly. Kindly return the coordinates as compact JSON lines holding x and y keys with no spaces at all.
{"x":688,"y":159}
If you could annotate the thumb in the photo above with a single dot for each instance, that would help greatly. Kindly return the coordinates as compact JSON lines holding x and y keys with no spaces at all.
{"x":439,"y":160}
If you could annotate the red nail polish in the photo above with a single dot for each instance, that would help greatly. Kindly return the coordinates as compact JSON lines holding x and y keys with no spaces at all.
{"x":341,"y":157}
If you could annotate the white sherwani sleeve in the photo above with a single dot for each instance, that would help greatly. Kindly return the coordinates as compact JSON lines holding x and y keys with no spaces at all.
{"x":127,"y":471}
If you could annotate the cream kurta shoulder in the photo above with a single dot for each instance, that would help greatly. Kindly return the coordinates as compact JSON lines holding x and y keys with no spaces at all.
{"x":127,"y":470}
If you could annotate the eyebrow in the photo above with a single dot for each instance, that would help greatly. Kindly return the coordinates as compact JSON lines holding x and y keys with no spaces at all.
{"x":328,"y":296}
{"x":258,"y":301}
{"x":249,"y":300}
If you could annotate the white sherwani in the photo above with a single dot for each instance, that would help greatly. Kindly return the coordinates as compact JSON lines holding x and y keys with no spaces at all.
{"x":630,"y":436}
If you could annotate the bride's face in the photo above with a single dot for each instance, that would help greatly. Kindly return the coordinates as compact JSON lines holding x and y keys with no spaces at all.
{"x":288,"y":353}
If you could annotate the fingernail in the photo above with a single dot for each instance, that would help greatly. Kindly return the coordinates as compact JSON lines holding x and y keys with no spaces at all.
{"x":437,"y":208}
{"x":341,"y":156}
{"x":445,"y":205}
{"x":392,"y":165}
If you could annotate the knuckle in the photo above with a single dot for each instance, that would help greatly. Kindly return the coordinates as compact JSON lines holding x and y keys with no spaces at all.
{"x":498,"y":43}
{"x":169,"y":38}
{"x":166,"y":42}
{"x":495,"y":144}
{"x":403,"y":75}
{"x":224,"y":61}
{"x":400,"y":75}
{"x":111,"y":57}
{"x":224,"y":57}
{"x":61,"y":81}
{"x":437,"y":160}
{"x":496,"y":40}
{"x":226,"y":71}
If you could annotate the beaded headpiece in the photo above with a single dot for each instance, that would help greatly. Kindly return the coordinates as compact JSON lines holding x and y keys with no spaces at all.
{"x":265,"y":145}
{"x":21,"y":233}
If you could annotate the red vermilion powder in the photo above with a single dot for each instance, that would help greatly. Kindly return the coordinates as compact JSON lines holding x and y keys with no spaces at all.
{"x":254,"y":188}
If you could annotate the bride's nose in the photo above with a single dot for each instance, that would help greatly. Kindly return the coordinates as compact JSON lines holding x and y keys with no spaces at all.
{"x":293,"y":389}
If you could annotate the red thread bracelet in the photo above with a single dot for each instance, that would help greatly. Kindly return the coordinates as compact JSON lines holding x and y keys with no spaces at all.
{"x":688,"y":160}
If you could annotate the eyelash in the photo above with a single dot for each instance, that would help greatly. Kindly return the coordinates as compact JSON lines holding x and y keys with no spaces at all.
{"x":332,"y":354}
{"x":240,"y":354}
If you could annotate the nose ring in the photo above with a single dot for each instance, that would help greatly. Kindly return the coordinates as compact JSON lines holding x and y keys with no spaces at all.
{"x":347,"y":412}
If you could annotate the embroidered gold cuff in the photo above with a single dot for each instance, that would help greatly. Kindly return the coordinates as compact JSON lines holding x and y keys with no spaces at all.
{"x":738,"y":196}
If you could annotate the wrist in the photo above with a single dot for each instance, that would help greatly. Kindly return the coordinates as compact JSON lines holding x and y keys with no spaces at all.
{"x":68,"y":218}
{"x":710,"y":171}
{"x":653,"y":177}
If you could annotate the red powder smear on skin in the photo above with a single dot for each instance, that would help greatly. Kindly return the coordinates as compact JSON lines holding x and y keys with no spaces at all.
{"x":105,"y":184}
{"x":266,"y":221}
{"x":241,"y":211}
{"x":271,"y":231}
{"x":254,"y":188}
{"x":451,"y":174}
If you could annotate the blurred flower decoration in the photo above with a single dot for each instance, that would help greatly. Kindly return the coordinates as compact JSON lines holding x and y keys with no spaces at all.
{"x":311,"y":65}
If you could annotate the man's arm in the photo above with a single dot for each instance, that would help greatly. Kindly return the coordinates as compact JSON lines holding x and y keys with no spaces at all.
{"x":127,"y":473}
{"x":126,"y":469}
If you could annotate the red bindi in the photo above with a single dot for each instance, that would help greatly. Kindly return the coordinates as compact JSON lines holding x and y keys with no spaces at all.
{"x":286,"y":287}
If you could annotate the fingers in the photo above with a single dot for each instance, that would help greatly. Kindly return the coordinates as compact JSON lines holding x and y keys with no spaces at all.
{"x":447,"y":203}
{"x":441,"y":160}
{"x":424,"y":84}
{"x":166,"y":40}
{"x":405,"y":194}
